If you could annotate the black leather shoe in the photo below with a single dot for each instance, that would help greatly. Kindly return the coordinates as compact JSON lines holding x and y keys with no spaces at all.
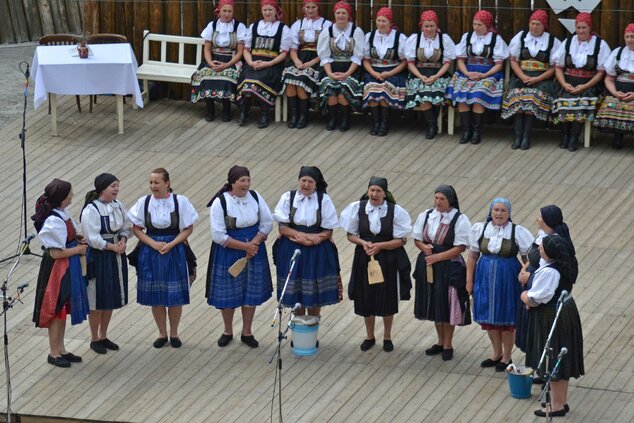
{"x":501,"y":366}
{"x":543,"y":404}
{"x":226,"y":111}
{"x":58,"y":361}
{"x":388,"y":346}
{"x":160,"y":342}
{"x":434,"y":350}
{"x":367,"y":344}
{"x":176,"y":342}
{"x":333,"y":111}
{"x":211,"y":111}
{"x":465,"y":122}
{"x":109,"y":344}
{"x":292,"y":112}
{"x":376,"y":120}
{"x":384,"y":123}
{"x":302,"y":107}
{"x":224,"y":340}
{"x":72,"y":358}
{"x":447,"y":354}
{"x":559,"y":413}
{"x":344,"y":124}
{"x":98,"y":347}
{"x":490,"y":363}
{"x":249,"y":340}
{"x":264,"y":117}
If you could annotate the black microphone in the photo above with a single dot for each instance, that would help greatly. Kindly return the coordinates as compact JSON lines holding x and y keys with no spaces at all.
{"x":29,"y":238}
{"x":27,"y":73}
{"x":562,"y":352}
{"x":296,"y":254}
{"x":563,"y":297}
{"x":21,"y":287}
{"x":296,"y":307}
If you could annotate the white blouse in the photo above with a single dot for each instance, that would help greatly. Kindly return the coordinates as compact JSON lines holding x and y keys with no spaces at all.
{"x":579,"y":52}
{"x":500,"y":50}
{"x":246,"y":211}
{"x":382,"y":42}
{"x":533,"y":44}
{"x":306,"y":210}
{"x":349,"y":220}
{"x":160,"y":212}
{"x":309,"y":26}
{"x":626,"y":63}
{"x":429,"y":45}
{"x":496,"y":234}
{"x":53,"y":233}
{"x":462,"y":228}
{"x":341,"y":38}
{"x":91,"y":222}
{"x":269,"y":29}
{"x":224,"y":30}
{"x":545,"y":282}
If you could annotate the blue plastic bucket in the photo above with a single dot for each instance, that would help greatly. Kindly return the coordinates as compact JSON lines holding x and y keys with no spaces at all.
{"x":304,"y":335}
{"x":520,"y":385}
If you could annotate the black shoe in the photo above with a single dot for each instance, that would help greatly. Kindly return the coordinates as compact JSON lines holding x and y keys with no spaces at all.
{"x":58,"y":361}
{"x":302,"y":108}
{"x":501,"y":366}
{"x":244,"y":113}
{"x":264,"y":116}
{"x":518,"y":128}
{"x":490,"y":363}
{"x":434,"y":350}
{"x":226,"y":110}
{"x":344,"y":124}
{"x":109,"y":344}
{"x":292,"y":112}
{"x":98,"y":347}
{"x":573,"y":139}
{"x":465,"y":122}
{"x":224,"y":340}
{"x":160,"y":342}
{"x":447,"y":354}
{"x":388,"y":346}
{"x":376,"y":119}
{"x":211,"y":110}
{"x":526,"y":135}
{"x":476,"y":124}
{"x":543,"y":404}
{"x":72,"y":358}
{"x":617,"y":143}
{"x":367,"y":344}
{"x":175,"y":342}
{"x":432,"y":124}
{"x":333,"y":111}
{"x":560,"y":413}
{"x":249,"y":340}
{"x":385,"y":118}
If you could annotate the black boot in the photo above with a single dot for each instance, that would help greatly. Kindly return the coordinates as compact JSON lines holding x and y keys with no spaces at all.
{"x":332,"y":117}
{"x":244,"y":112}
{"x":226,"y":110}
{"x":565,"y":134}
{"x":617,"y":143}
{"x":211,"y":110}
{"x":376,"y":119}
{"x":385,"y":118}
{"x":264,"y":115}
{"x":292,"y":112}
{"x":344,"y":123}
{"x":302,"y":108}
{"x":575,"y":131}
{"x":528,"y":127}
{"x":518,"y":128}
{"x":476,"y":124}
{"x":465,"y":122}
{"x":432,"y":124}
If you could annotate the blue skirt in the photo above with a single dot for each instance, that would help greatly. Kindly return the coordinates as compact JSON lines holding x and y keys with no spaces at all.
{"x":162,"y":280}
{"x":314,"y":281}
{"x":486,"y":92}
{"x":393,"y":90}
{"x":252,"y":287}
{"x":496,"y":290}
{"x":108,"y":271}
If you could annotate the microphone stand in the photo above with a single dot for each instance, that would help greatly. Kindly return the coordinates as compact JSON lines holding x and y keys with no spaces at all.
{"x":7,"y":303}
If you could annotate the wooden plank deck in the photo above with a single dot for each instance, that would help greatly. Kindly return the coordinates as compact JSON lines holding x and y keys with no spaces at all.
{"x":203,"y":383}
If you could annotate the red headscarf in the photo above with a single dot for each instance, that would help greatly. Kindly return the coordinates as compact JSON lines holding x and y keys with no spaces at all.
{"x":540,"y":16}
{"x":317,"y":2}
{"x":428,"y":15}
{"x":279,"y":13}
{"x":584,"y":17}
{"x":343,"y":5}
{"x":629,"y":29}
{"x":222,"y":3}
{"x":387,"y":13}
{"x":486,"y":18}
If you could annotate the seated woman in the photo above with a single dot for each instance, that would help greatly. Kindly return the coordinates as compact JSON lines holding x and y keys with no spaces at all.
{"x":266,"y":46}
{"x":217,"y":76}
{"x":341,"y":51}
{"x":384,"y":63}
{"x":477,"y":84}
{"x":529,"y":95}
{"x":301,"y":77}
{"x":617,"y":109}
{"x":580,"y":69}
{"x":429,"y":54}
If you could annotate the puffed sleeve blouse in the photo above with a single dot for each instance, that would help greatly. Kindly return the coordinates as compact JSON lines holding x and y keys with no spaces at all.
{"x":224,"y":29}
{"x":626,"y":63}
{"x":579,"y":52}
{"x":341,"y":37}
{"x":436,"y":218}
{"x":306,"y":210}
{"x":91,"y":222}
{"x":496,"y":234}
{"x":310,"y":28}
{"x":500,"y":50}
{"x":534,"y":45}
{"x":544,"y":284}
{"x":269,"y":29}
{"x":247,"y":212}
{"x":349,"y":220}
{"x":428,"y":46}
{"x":383,"y":42}
{"x":54,"y":233}
{"x":160,"y":211}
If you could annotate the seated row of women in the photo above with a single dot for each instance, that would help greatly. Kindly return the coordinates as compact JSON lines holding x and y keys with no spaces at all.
{"x":341,"y":69}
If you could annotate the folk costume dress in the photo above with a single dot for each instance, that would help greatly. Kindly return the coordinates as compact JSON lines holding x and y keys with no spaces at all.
{"x":385,"y":52}
{"x":206,"y":82}
{"x":61,"y":287}
{"x":239,"y":218}
{"x":378,"y":224}
{"x":103,"y":223}
{"x":443,"y":299}
{"x":315,"y":279}
{"x":162,"y":279}
{"x":616,"y":115}
{"x":265,"y":40}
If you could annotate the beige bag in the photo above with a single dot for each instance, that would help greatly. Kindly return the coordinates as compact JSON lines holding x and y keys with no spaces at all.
{"x":237,"y":267}
{"x":375,"y":274}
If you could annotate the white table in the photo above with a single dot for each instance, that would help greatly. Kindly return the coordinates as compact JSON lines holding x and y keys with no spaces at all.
{"x":110,"y":69}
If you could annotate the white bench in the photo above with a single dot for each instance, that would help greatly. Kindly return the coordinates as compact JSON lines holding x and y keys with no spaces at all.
{"x":180,"y":72}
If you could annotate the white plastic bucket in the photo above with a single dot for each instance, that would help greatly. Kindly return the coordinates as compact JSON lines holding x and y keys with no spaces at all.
{"x":305,"y":330}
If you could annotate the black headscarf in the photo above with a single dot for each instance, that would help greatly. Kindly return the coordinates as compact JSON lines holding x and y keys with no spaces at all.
{"x":236,"y":172}
{"x":552,"y":216}
{"x":557,"y":248}
{"x":315,"y":173}
{"x":450,"y":193}
{"x":54,"y":193}
{"x":102,"y":182}
{"x":380,"y":182}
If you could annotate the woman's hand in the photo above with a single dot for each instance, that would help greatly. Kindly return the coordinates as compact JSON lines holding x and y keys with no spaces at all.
{"x":166,"y":248}
{"x":523,"y":276}
{"x":628,"y":97}
{"x":385,"y":75}
{"x":81,"y":249}
{"x":299,"y":64}
{"x":377,"y":75}
{"x":339,"y":76}
{"x":432,"y":259}
{"x":427,"y":249}
{"x":251,"y":249}
{"x":158,"y":246}
{"x":372,"y":248}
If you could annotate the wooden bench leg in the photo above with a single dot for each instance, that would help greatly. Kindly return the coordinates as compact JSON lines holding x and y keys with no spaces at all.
{"x":587,"y":133}
{"x":53,"y":103}
{"x":120,"y":113}
{"x":451,"y":120}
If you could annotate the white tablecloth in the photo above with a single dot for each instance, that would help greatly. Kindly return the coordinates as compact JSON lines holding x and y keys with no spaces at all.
{"x":111,"y":69}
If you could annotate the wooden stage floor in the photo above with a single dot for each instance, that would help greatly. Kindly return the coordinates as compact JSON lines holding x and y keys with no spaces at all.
{"x":203,"y":383}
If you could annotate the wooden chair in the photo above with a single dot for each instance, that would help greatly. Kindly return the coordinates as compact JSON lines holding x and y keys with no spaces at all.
{"x":60,"y":40}
{"x":104,"y":38}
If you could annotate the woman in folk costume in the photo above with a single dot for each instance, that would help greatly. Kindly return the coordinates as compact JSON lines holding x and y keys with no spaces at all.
{"x":379,"y":228}
{"x":340,"y":49}
{"x":530,"y":91}
{"x":492,"y":269}
{"x":217,"y":76}
{"x":106,"y":228}
{"x":266,"y":46}
{"x":163,"y":221}
{"x":240,"y":223}
{"x":301,"y":77}
{"x":384,"y":62}
{"x":429,"y":54}
{"x":442,"y":234}
{"x":478,"y":83}
{"x":580,"y":60}
{"x":617,"y":109}
{"x":61,"y":287}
